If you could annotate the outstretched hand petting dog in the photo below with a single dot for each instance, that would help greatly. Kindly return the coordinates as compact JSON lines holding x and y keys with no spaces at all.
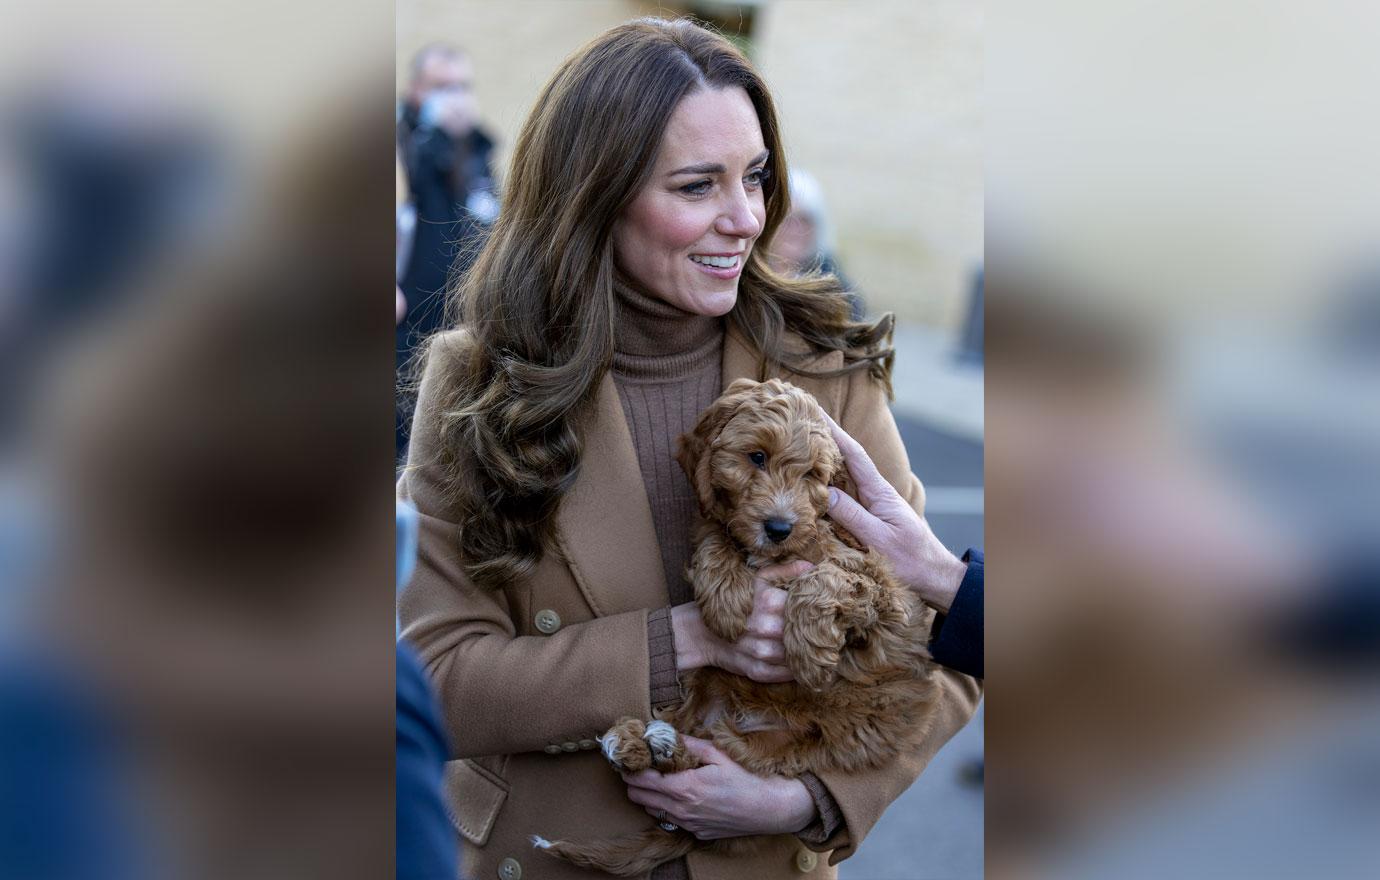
{"x":887,"y":524}
{"x":721,"y":799}
{"x":759,"y":653}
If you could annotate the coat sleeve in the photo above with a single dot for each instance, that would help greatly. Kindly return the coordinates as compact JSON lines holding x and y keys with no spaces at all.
{"x":501,"y":692}
{"x":862,"y":797}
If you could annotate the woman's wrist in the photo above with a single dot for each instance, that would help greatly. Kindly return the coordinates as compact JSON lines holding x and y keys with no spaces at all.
{"x":798,"y":808}
{"x":691,"y":637}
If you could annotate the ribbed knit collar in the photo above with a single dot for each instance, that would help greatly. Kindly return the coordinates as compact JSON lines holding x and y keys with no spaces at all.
{"x":655,"y":341}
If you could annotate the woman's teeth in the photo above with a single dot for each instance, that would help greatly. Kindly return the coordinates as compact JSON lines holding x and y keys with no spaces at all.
{"x":716,"y":262}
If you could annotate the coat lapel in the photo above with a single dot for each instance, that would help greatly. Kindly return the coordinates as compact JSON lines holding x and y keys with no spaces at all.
{"x":605,"y":523}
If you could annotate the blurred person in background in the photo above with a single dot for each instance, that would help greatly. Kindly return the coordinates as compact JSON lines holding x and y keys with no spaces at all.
{"x":804,"y":244}
{"x":620,"y":292}
{"x":445,"y":157}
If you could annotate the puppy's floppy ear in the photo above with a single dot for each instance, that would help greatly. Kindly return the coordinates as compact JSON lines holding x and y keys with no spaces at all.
{"x":840,"y":478}
{"x":693,"y":452}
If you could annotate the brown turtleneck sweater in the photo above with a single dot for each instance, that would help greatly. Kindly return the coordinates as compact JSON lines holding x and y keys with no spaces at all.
{"x":667,"y":366}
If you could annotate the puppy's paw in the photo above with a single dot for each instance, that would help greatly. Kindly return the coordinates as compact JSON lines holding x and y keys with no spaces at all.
{"x":725,"y":612}
{"x":814,"y":668}
{"x":812,"y":635}
{"x":724,"y":594}
{"x":663,"y":742}
{"x":625,"y":746}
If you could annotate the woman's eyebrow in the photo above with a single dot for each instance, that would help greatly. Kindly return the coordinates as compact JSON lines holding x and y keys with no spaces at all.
{"x":714,"y":167}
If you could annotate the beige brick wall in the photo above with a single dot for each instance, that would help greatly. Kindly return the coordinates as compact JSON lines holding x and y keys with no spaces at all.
{"x":880,"y":99}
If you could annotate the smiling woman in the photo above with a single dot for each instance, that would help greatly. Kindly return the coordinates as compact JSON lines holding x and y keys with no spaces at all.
{"x":622,"y":288}
{"x":685,"y":237}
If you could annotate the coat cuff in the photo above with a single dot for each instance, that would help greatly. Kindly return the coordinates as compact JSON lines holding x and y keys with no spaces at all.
{"x":661,"y":651}
{"x":956,"y":637}
{"x":830,"y":818}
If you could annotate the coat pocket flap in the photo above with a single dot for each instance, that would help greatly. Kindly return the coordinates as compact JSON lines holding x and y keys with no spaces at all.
{"x":473,"y":798}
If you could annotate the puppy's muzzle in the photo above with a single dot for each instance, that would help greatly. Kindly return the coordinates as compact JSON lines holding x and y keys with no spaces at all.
{"x":777,"y":530}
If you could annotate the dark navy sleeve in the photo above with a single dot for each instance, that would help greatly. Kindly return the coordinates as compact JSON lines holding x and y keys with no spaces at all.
{"x":426,"y":839}
{"x":956,"y":637}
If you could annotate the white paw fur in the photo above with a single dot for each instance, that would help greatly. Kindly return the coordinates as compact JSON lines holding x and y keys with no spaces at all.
{"x":661,"y":739}
{"x":609,"y":743}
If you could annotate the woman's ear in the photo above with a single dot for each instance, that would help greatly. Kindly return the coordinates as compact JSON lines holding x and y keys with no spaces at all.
{"x":693,"y":453}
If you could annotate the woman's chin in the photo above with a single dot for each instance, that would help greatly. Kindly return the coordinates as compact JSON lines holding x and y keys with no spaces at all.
{"x":715,"y":304}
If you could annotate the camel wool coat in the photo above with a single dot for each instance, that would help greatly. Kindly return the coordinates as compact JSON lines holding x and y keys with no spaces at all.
{"x":528,"y":676}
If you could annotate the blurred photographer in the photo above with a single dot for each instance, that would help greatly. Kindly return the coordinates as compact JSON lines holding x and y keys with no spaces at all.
{"x":446,"y":156}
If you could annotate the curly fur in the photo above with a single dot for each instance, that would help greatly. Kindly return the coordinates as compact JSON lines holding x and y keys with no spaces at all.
{"x":854,"y":637}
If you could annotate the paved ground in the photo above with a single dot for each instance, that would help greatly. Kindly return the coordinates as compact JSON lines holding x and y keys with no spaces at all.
{"x":934,"y":831}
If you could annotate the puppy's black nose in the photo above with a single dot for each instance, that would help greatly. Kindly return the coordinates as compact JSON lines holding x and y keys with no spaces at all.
{"x":777,"y":529}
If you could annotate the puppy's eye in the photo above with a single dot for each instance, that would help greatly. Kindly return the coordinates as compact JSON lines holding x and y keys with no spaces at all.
{"x":759,"y":459}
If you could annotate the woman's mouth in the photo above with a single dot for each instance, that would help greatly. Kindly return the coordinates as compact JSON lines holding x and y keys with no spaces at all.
{"x":718,"y":265}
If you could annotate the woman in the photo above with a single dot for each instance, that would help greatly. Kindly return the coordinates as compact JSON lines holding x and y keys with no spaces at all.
{"x":622,"y":288}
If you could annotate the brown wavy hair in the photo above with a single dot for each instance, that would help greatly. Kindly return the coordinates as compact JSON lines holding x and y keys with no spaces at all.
{"x":538,"y":303}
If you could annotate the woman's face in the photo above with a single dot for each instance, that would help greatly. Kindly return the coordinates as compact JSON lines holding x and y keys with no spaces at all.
{"x":685,"y":237}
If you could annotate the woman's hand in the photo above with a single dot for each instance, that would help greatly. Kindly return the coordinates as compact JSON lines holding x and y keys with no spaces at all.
{"x":721,"y":799}
{"x":887,"y":524}
{"x":759,"y":653}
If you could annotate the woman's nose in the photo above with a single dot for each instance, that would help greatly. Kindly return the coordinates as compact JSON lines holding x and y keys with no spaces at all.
{"x":738,"y":218}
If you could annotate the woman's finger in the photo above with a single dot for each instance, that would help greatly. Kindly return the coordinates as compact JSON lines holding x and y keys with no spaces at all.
{"x":768,"y":600}
{"x":704,"y":749}
{"x":860,"y":466}
{"x":766,"y":623}
{"x":855,"y":518}
{"x":784,"y":570}
{"x":767,"y":650}
{"x":649,"y":779}
{"x":770,"y":673}
{"x":651,"y":801}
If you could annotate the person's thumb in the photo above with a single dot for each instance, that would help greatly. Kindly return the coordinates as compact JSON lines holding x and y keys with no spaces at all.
{"x":703,"y":749}
{"x":854,"y":517}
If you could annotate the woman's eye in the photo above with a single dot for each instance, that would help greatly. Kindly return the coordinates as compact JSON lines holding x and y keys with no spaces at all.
{"x":758,"y":177}
{"x":758,"y":458}
{"x":698,"y":188}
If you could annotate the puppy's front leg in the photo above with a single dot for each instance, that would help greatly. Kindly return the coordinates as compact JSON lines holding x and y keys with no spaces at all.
{"x":812,"y":635}
{"x":723,"y":587}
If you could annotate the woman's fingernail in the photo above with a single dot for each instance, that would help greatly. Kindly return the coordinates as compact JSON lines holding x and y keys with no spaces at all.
{"x":833,"y":496}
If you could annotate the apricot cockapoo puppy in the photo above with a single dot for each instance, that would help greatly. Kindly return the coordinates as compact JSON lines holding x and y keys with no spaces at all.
{"x":761,"y":460}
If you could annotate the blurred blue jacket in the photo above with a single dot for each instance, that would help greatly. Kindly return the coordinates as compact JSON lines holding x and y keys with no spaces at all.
{"x":956,"y":637}
{"x":426,"y":839}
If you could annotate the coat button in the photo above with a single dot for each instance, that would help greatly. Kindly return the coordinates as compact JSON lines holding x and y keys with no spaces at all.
{"x":553,"y":750}
{"x":548,"y":621}
{"x":587,"y":744}
{"x":806,"y":860}
{"x":570,"y":746}
{"x":509,"y":869}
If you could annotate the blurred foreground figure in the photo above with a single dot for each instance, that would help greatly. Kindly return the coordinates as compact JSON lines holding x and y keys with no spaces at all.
{"x":102,"y":176}
{"x":201,"y":653}
{"x":1165,"y":644}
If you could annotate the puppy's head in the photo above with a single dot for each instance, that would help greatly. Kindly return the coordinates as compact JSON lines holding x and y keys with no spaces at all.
{"x":761,"y":460}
